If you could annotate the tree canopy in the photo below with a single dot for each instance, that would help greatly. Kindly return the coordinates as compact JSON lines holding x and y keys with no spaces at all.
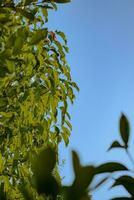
{"x":35,"y":87}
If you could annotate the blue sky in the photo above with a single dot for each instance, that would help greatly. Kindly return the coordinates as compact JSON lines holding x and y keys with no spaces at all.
{"x":101,"y":40}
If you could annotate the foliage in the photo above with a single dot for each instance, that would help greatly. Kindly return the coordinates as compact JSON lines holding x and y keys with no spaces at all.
{"x":35,"y":87}
{"x":84,"y":182}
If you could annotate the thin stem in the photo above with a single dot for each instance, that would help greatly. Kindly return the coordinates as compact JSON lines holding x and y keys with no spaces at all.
{"x":130,"y":157}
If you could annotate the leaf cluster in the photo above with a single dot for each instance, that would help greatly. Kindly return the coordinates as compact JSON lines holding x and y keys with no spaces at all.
{"x":84,"y":183}
{"x":35,"y":89}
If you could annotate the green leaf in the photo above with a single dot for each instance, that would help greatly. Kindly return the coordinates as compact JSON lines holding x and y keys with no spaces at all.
{"x":75,"y":86}
{"x":6,"y":183}
{"x":10,"y":65}
{"x":3,"y":195}
{"x":84,"y":178}
{"x":20,"y":40}
{"x":45,"y":162}
{"x":42,"y":168}
{"x":25,"y":191}
{"x":3,"y":71}
{"x":45,"y":13}
{"x":115,"y":144}
{"x":4,"y":17}
{"x":110,"y":167}
{"x":124,"y":129}
{"x":83,"y":174}
{"x":69,"y":124}
{"x":62,"y":35}
{"x":27,"y":2}
{"x":37,"y":36}
{"x":65,"y":135}
{"x":65,"y":138}
{"x":28,"y":14}
{"x":18,"y":45}
{"x":58,"y":44}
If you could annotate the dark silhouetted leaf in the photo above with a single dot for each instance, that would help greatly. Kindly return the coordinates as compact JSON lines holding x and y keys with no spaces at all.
{"x":110,"y":167}
{"x":45,"y":161}
{"x":124,"y":129}
{"x":48,"y":186}
{"x":3,"y":71}
{"x":62,"y":1}
{"x":127,"y":182}
{"x":2,"y":193}
{"x":42,"y":168}
{"x":84,"y":178}
{"x":115,"y":144}
{"x":76,"y":163}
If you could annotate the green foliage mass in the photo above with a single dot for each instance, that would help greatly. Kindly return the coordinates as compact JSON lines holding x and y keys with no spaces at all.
{"x":84,"y":183}
{"x":35,"y":88}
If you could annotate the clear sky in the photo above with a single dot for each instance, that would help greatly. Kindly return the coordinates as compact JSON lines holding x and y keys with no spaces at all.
{"x":101,"y":40}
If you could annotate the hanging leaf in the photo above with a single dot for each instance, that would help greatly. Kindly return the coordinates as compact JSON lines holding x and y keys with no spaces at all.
{"x":75,"y":86}
{"x":45,"y":12}
{"x":62,"y":35}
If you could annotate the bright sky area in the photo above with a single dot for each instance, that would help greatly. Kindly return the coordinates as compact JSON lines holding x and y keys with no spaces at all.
{"x":100,"y":36}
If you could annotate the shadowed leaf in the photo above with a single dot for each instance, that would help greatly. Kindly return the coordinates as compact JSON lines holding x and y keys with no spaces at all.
{"x":127,"y":182}
{"x":76,"y":163}
{"x":110,"y":167}
{"x":115,"y":144}
{"x":42,"y":168}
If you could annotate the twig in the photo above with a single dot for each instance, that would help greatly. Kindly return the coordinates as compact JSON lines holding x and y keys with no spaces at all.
{"x":130,"y":157}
